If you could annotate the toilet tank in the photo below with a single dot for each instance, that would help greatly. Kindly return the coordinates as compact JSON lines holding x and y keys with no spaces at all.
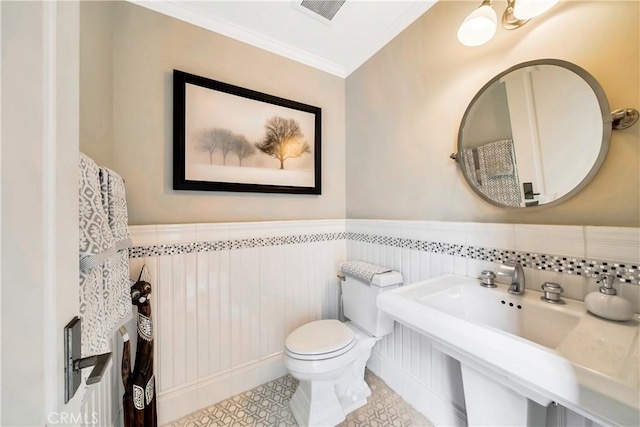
{"x":359,"y":301}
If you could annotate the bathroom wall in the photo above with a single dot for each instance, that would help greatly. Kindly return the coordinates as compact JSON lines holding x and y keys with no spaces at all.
{"x":226,"y":295}
{"x":130,"y":52}
{"x":405,"y":104}
{"x":96,"y":81}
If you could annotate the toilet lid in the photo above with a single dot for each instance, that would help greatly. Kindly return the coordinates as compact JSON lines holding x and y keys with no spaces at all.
{"x":319,"y":340}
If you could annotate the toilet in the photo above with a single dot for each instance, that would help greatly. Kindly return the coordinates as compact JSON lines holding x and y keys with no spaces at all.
{"x":328,"y":357}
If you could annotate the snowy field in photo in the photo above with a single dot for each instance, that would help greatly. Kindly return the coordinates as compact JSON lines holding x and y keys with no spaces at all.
{"x":250,"y":175}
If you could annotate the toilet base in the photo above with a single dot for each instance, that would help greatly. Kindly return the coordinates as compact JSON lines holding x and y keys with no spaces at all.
{"x":327,"y":402}
{"x":315,"y":404}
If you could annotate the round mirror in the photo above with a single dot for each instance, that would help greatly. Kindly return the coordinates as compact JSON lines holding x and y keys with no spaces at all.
{"x":534,"y":135}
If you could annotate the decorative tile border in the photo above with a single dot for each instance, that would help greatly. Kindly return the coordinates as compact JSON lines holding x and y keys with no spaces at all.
{"x":225,"y":245}
{"x":624,"y":272}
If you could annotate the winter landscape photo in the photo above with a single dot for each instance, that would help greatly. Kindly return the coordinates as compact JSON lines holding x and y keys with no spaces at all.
{"x":234,"y":139}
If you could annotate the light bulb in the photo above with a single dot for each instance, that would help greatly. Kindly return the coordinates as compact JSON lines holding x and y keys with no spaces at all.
{"x":479,"y":27}
{"x":527,"y":9}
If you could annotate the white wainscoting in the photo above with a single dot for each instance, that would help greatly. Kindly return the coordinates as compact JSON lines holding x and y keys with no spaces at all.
{"x":407,"y":360}
{"x":221,"y":317}
{"x":101,"y":406}
{"x":102,"y":402}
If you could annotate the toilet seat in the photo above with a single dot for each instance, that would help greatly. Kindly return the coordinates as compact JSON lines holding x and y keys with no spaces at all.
{"x":320,"y":340}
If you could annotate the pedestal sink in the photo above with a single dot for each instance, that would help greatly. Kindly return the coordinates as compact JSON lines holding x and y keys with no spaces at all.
{"x":519,"y":353}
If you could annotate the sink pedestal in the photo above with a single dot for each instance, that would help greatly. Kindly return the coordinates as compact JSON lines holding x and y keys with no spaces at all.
{"x":490,"y":403}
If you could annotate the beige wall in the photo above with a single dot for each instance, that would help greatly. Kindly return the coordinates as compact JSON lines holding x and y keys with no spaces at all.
{"x":403,"y":109}
{"x":145,"y":48}
{"x":405,"y":104}
{"x":96,"y":81}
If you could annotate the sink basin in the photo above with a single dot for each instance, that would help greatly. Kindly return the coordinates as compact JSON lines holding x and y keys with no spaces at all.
{"x":531,"y":319}
{"x":544,"y":351}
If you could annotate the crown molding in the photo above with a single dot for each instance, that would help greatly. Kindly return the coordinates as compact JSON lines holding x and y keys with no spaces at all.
{"x":179,"y":11}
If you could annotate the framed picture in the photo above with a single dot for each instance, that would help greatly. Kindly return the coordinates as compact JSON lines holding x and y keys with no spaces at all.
{"x":228,"y":138}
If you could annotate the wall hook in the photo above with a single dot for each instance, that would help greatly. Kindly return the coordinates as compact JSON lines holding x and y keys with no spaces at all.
{"x":74,"y":363}
{"x":624,"y":118}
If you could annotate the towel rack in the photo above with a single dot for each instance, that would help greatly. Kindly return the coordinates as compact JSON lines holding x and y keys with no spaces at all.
{"x":74,"y":363}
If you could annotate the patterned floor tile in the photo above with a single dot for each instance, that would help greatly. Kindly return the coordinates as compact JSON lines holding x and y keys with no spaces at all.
{"x":268,"y":406}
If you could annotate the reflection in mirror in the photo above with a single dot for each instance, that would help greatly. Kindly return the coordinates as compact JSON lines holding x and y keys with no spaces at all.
{"x":535,"y":134}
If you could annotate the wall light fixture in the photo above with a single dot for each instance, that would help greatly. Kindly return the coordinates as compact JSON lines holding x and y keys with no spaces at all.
{"x":480,"y":26}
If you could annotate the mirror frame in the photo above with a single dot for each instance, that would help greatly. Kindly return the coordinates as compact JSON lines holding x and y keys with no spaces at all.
{"x":604,"y":144}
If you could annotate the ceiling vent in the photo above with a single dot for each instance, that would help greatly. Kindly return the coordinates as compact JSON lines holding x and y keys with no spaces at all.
{"x":325,"y":8}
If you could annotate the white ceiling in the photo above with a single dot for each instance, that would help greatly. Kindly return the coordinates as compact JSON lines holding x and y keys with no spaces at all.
{"x":358,"y":30}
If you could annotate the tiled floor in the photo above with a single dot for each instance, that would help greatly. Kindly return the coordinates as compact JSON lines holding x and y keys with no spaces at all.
{"x":268,"y":405}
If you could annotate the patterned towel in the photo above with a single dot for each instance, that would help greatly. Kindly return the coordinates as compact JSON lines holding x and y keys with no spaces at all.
{"x":96,"y":239}
{"x":104,"y":261}
{"x":94,"y":338}
{"x":362,"y":270}
{"x":114,"y":202}
{"x":116,"y":283}
{"x":492,"y":171}
{"x":498,"y":158}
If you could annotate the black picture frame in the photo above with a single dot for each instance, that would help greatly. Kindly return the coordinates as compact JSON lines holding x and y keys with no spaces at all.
{"x":216,"y":120}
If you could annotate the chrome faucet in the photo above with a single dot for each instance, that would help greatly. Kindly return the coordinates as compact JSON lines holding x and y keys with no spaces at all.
{"x":513,"y":270}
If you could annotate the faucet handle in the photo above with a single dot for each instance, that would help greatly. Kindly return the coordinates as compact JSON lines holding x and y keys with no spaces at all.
{"x":551,"y":287}
{"x":552,"y":293}
{"x":488,"y":279}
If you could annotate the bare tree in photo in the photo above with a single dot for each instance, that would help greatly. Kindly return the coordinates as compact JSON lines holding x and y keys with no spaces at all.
{"x":227,"y":145}
{"x":243,"y":148}
{"x":283,"y":140}
{"x":215,"y":138}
